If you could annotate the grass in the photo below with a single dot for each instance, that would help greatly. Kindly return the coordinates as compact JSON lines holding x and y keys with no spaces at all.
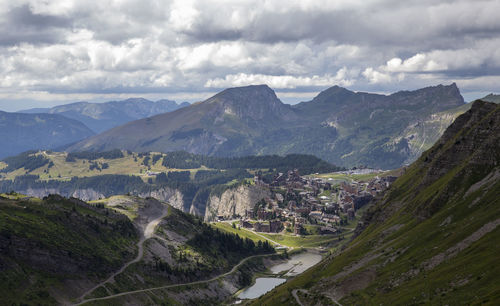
{"x":309,"y":241}
{"x":130,"y":164}
{"x":72,"y":234}
{"x":123,"y":204}
{"x":340,"y":176}
{"x":432,"y":217}
{"x":243,"y":233}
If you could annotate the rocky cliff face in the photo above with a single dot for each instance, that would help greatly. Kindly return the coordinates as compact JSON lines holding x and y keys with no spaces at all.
{"x":234,"y":201}
{"x":173,"y":196}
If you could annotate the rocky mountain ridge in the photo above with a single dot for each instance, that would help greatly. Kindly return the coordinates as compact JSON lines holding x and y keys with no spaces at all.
{"x":344,"y":127}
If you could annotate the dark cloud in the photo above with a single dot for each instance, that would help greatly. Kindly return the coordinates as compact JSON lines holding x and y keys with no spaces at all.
{"x":21,"y":25}
{"x":70,"y":47}
{"x":23,"y":16}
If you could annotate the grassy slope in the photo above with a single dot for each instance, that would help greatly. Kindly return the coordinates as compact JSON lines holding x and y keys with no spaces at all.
{"x":289,"y":240}
{"x":423,"y":215}
{"x":196,"y":264}
{"x":50,"y":241}
{"x":243,"y":233}
{"x":62,"y":170}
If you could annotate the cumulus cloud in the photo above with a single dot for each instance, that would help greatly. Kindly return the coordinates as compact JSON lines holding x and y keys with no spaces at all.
{"x":281,"y":81}
{"x":67,"y":48}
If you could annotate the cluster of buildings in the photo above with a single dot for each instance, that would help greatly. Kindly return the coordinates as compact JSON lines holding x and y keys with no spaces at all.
{"x":296,"y":201}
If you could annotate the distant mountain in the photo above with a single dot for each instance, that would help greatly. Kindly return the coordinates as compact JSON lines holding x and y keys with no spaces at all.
{"x":340,"y":126}
{"x":492,"y":98}
{"x":371,"y":127}
{"x":103,"y":116}
{"x":233,"y":122}
{"x":22,"y":132}
{"x":432,"y":239}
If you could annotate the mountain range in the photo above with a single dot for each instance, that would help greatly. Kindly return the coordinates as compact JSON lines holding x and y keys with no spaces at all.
{"x":22,"y":132}
{"x":103,"y":116}
{"x":434,"y":236}
{"x":341,"y":126}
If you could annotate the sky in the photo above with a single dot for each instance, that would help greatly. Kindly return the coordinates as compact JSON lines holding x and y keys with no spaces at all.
{"x":59,"y":51}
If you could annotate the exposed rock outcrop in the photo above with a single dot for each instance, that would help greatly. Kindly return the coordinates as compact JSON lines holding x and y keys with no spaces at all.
{"x":173,"y":196}
{"x":235,"y":201}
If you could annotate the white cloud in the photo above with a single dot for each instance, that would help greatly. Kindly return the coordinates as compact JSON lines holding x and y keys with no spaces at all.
{"x":70,"y":48}
{"x":281,"y":81}
{"x":375,"y":76}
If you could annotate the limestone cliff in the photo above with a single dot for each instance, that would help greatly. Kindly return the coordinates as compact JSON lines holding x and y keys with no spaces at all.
{"x":234,"y":201}
{"x":173,"y":196}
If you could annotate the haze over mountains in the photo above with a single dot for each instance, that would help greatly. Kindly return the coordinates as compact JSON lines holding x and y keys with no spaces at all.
{"x":103,"y":116}
{"x":340,"y":126}
{"x":22,"y":132}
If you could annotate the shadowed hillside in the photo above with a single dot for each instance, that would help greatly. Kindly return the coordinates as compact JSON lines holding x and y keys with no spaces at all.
{"x":433,"y":239}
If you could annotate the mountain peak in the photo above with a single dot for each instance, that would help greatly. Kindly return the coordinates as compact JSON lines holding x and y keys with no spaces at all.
{"x":247,"y":98}
{"x":249,"y":103}
{"x":251,"y":92}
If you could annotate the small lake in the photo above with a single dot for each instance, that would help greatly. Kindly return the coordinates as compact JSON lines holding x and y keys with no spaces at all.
{"x":261,"y":286}
{"x":297,"y":263}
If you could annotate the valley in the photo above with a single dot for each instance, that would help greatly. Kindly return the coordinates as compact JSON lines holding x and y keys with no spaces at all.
{"x":316,"y":233}
{"x":256,"y":152}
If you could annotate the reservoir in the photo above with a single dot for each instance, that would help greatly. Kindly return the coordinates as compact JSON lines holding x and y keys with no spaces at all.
{"x":261,"y":286}
{"x":295,"y":265}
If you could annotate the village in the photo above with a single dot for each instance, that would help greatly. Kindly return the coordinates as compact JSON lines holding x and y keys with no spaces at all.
{"x":311,"y":205}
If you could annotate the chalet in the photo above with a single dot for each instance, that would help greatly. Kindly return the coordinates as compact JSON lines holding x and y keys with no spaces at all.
{"x":263,"y":214}
{"x":261,"y":227}
{"x":246,"y":224}
{"x":315,"y":214}
{"x":275,"y":226}
{"x":325,"y":230}
{"x":303,"y":210}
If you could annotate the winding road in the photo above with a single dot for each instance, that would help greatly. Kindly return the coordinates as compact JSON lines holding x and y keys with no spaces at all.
{"x":147,"y":233}
{"x":174,"y":285}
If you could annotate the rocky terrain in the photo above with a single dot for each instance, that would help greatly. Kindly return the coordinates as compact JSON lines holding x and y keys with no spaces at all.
{"x":432,"y":239}
{"x":344,"y":127}
{"x":235,"y":201}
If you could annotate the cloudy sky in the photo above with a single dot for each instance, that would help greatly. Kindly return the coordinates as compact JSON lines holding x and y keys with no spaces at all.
{"x":59,"y":51}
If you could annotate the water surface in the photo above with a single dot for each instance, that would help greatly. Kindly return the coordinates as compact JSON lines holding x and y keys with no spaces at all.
{"x":261,"y":286}
{"x":297,"y":263}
